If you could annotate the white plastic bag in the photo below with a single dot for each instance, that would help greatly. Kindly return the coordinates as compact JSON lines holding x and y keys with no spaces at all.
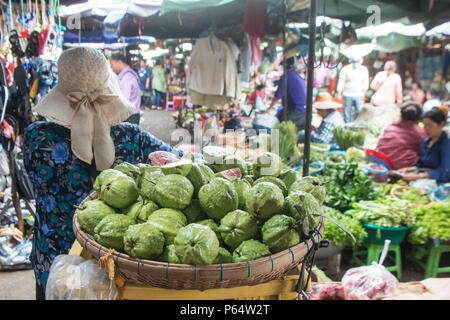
{"x":75,"y":278}
{"x":4,"y":166}
{"x":372,"y":282}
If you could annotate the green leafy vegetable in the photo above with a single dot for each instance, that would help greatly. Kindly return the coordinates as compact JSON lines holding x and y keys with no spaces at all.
{"x":348,"y":184}
{"x":433,"y":221}
{"x":337,"y":235}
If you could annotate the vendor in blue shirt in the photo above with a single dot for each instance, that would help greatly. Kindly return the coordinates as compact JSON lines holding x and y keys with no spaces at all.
{"x":145,"y":77}
{"x":434,"y":154}
{"x":296,"y":95}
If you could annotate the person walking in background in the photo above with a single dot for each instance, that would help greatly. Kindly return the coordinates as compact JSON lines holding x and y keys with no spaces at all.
{"x":129,"y":82}
{"x":433,"y":100}
{"x":296,"y":95}
{"x":387,"y":86}
{"x":352,"y":87}
{"x":145,"y":77}
{"x":158,"y":84}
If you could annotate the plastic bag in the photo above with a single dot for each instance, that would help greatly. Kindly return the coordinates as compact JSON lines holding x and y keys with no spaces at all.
{"x":74,"y":278}
{"x":372,"y":282}
{"x":426,"y":185}
{"x":4,"y":166}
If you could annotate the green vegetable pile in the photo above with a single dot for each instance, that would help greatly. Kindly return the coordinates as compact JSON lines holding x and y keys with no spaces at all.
{"x":386,"y":212}
{"x":433,"y":221}
{"x":195,"y":212}
{"x":346,"y":138}
{"x":288,"y":149}
{"x":337,"y":235}
{"x":413,"y":195}
{"x":317,"y":151}
{"x":348,"y":184}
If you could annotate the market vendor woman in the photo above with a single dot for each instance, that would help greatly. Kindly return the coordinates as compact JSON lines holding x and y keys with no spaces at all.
{"x":434,"y":154}
{"x":84,"y":135}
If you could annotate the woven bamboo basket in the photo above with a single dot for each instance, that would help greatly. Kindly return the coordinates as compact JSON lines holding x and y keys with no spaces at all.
{"x":199,"y":277}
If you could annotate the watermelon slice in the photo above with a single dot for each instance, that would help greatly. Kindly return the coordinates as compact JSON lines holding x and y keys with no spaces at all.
{"x":230,"y":174}
{"x":160,"y":158}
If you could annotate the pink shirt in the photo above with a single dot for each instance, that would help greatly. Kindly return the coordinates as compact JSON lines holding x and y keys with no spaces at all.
{"x":417,"y":95}
{"x":388,"y":89}
{"x":401,"y":143}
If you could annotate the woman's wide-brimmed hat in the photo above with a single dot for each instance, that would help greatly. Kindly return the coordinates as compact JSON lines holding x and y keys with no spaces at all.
{"x":324,"y":101}
{"x":87,"y":100}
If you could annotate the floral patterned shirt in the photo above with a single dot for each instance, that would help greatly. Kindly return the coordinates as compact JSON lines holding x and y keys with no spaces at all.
{"x":61,"y":182}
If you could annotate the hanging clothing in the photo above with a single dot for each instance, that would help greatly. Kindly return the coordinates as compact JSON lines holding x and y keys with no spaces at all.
{"x":255,"y":18}
{"x":245,"y":58}
{"x":212,"y":71}
{"x":255,"y":44}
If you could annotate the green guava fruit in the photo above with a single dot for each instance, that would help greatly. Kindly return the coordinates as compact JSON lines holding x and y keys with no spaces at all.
{"x":231,"y":162}
{"x":119,"y":192}
{"x":304,"y":208}
{"x":173,"y":191}
{"x":218,"y":197}
{"x":110,"y":231}
{"x":280,"y":233}
{"x":224,"y":256}
{"x":311,"y":185}
{"x":199,"y":175}
{"x":242,"y":187}
{"x":196,"y":244}
{"x":143,"y":241}
{"x":169,"y":255}
{"x":148,"y":184}
{"x":289,"y":177}
{"x":214,"y":227}
{"x":130,"y":170}
{"x":104,"y":176}
{"x":267,"y":164}
{"x":249,"y":179}
{"x":180,"y":167}
{"x":264,"y":199}
{"x":134,"y":210}
{"x":278,"y":182}
{"x":250,"y":250}
{"x":194,"y":212}
{"x":237,"y":226}
{"x":168,"y":221}
{"x":91,"y":213}
{"x":147,"y":209}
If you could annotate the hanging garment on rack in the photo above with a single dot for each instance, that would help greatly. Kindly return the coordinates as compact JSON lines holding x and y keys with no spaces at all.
{"x":212,"y":70}
{"x":255,"y":18}
{"x":255,"y":44}
{"x":245,"y":59}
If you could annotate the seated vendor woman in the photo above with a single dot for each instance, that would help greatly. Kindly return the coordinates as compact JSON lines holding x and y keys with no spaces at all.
{"x":402,"y":139}
{"x":84,"y":135}
{"x":434,"y":154}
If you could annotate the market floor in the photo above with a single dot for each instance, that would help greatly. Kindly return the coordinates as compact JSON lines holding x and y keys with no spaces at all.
{"x":17,"y":285}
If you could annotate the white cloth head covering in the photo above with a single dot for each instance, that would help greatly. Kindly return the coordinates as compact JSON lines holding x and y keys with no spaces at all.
{"x":87,"y":100}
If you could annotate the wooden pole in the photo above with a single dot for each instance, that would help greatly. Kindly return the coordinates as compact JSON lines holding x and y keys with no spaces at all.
{"x":284,"y":111}
{"x":309,"y":88}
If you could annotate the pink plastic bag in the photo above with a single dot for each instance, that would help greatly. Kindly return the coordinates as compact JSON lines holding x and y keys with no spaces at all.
{"x":372,"y":282}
